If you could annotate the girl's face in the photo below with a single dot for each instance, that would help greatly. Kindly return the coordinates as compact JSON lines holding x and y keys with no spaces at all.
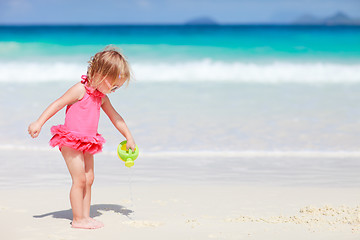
{"x":106,"y":87}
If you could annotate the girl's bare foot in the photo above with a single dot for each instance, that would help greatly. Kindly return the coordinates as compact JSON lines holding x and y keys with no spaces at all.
{"x":86,"y":224}
{"x":96,"y":222}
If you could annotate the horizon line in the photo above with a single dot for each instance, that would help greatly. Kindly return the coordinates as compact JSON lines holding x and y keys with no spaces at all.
{"x":171,"y":24}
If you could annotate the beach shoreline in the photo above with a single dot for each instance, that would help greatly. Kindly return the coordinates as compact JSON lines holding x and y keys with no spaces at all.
{"x":184,"y":198}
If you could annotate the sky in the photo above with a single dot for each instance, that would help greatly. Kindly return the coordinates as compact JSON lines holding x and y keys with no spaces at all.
{"x":168,"y":11}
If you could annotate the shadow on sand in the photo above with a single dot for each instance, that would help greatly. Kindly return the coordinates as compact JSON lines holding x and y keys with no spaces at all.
{"x":94,"y":211}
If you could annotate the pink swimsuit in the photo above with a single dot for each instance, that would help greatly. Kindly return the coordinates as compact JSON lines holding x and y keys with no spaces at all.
{"x":81,"y":123}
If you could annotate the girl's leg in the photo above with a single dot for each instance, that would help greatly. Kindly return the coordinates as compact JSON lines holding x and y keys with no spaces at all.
{"x":75,"y":162}
{"x":89,"y":173}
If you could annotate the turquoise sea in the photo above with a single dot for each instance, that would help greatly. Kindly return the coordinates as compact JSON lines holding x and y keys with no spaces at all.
{"x":186,"y":53}
{"x":200,"y":92}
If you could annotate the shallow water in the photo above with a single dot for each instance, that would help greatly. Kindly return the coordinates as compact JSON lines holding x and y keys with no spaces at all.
{"x":198,"y":117}
{"x":225,"y":104}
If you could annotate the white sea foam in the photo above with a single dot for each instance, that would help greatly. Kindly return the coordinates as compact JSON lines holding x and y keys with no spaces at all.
{"x":39,"y":71}
{"x":202,"y":70}
{"x":219,"y":154}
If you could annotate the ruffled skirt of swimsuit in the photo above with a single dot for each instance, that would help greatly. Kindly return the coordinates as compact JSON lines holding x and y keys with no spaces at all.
{"x":63,"y":137}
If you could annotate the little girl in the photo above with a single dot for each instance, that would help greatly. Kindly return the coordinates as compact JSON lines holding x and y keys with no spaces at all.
{"x":78,"y":139}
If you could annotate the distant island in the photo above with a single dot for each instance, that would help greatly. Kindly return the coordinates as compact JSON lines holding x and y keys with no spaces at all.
{"x":338,"y":18}
{"x":201,"y":21}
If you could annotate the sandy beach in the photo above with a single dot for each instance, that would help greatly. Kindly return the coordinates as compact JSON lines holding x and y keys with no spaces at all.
{"x":185,"y":211}
{"x":173,"y":198}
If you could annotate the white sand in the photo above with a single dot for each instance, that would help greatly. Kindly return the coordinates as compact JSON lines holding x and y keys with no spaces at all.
{"x":184,"y":211}
{"x":180,"y":199}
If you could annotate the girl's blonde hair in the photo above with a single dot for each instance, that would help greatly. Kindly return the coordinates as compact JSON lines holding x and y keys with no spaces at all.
{"x":109,"y":63}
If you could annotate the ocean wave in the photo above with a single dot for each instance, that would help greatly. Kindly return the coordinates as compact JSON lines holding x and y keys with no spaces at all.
{"x":205,"y":153}
{"x":202,"y":70}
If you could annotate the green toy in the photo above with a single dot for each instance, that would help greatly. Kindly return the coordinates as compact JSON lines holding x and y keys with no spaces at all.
{"x":128,"y":156}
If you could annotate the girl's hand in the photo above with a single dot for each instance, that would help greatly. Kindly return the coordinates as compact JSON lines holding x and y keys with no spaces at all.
{"x":34,"y":129}
{"x":130,"y":144}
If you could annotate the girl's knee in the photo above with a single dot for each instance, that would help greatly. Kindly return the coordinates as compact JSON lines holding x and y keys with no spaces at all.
{"x":80,"y":181}
{"x":89,"y":179}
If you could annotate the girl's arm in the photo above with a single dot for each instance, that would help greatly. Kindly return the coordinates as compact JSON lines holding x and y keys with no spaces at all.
{"x":74,"y":94}
{"x":118,"y":122}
